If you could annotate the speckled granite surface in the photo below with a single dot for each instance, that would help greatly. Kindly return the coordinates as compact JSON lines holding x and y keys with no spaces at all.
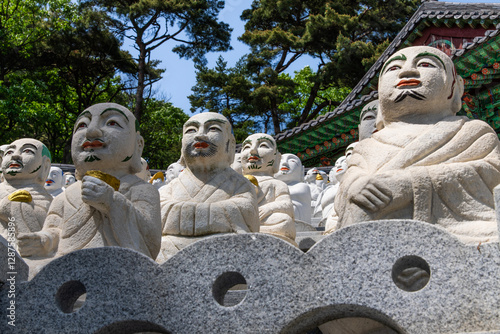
{"x":349,"y":273}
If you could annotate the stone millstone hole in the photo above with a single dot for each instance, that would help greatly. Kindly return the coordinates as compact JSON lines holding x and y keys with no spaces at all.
{"x":229,"y":289}
{"x":71,"y":296}
{"x":411,"y":273}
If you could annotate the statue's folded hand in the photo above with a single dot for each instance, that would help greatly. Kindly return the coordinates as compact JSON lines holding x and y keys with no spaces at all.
{"x":31,"y":244}
{"x":371,"y":193}
{"x":97,"y":193}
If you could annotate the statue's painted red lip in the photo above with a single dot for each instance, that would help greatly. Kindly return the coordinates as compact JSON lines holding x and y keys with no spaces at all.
{"x":14,"y":166}
{"x":253,"y":158}
{"x":339,"y":170}
{"x":201,"y":144}
{"x":49,"y":181}
{"x":285,"y":168}
{"x":95,"y":143}
{"x":411,"y":82}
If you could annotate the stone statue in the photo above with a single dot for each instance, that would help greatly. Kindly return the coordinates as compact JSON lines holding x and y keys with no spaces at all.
{"x":69,"y":179}
{"x":291,"y":172}
{"x":208,"y":197}
{"x":426,"y":163}
{"x":368,"y":120}
{"x":236,"y":165}
{"x":23,"y":198}
{"x":260,"y":157}
{"x":173,"y":172}
{"x":2,"y":151}
{"x":55,"y":181}
{"x":144,"y":173}
{"x":317,"y":182}
{"x":324,"y":206}
{"x":157,"y":180}
{"x":108,"y":205}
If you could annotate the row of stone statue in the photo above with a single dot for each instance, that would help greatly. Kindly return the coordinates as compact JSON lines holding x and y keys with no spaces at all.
{"x":423,"y":163}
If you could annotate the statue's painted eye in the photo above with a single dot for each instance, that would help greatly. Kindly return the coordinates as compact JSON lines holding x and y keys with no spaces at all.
{"x":113,"y":123}
{"x":425,"y":64}
{"x":393,"y":68}
{"x":28,"y":151}
{"x":191,"y":130}
{"x":81,"y":126}
{"x":9,"y":152}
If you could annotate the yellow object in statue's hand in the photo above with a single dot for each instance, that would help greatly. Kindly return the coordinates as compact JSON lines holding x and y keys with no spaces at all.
{"x":109,"y":179}
{"x":319,"y":177}
{"x":252,"y":179}
{"x":20,"y":196}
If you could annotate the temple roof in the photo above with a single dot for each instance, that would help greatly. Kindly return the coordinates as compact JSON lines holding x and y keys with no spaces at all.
{"x":476,"y":27}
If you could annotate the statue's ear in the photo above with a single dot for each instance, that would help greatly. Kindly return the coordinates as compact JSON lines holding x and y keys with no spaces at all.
{"x":276,"y":166}
{"x":136,"y":163}
{"x":44,"y":170}
{"x":457,"y":95}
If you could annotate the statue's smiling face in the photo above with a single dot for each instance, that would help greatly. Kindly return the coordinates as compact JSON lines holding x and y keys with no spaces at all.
{"x":415,"y":80}
{"x":22,"y":159}
{"x":103,"y":134}
{"x":259,"y":153}
{"x":205,"y":140}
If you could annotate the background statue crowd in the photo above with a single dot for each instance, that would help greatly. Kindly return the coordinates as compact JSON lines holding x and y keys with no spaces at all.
{"x":415,"y":160}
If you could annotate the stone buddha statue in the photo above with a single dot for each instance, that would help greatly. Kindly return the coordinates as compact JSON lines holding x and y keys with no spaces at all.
{"x":23,"y":198}
{"x":260,"y":157}
{"x":368,"y":120}
{"x":208,"y":197}
{"x":144,"y":173}
{"x":69,"y":179}
{"x":426,"y":163}
{"x":291,"y":171}
{"x":55,"y":181}
{"x":108,"y":205}
{"x":173,"y":171}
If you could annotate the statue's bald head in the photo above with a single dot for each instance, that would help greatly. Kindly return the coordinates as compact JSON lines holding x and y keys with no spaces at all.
{"x":207,"y":140}
{"x":106,"y":137}
{"x":419,"y":81}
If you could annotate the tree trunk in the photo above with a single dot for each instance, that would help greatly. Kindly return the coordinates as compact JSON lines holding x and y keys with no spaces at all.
{"x":275,"y":117}
{"x":141,"y":76}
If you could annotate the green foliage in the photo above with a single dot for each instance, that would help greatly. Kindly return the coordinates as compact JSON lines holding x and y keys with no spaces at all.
{"x":343,"y":35}
{"x":227,"y":91}
{"x":71,"y":68}
{"x":161,"y":128}
{"x":296,"y":102}
{"x":151,"y":23}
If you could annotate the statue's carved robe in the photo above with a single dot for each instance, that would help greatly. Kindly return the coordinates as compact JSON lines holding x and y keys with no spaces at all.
{"x":133,"y":222}
{"x":454,"y":166}
{"x":192,"y":209}
{"x":27,"y":216}
{"x":275,"y":207}
{"x":226,"y":203}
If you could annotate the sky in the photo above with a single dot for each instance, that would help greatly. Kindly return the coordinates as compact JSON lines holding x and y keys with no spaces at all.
{"x":180,"y":74}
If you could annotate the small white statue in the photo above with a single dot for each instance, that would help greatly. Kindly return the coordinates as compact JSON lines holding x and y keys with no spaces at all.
{"x":108,"y":205}
{"x":426,"y":163}
{"x":55,"y":181}
{"x":173,"y":171}
{"x":2,"y":151}
{"x":23,"y":198}
{"x":236,"y":165}
{"x":291,"y":171}
{"x":260,"y":157}
{"x":318,"y":181}
{"x":144,"y":174}
{"x":208,"y":197}
{"x":368,"y":120}
{"x":69,"y":179}
{"x":157,"y":180}
{"x":324,"y":205}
